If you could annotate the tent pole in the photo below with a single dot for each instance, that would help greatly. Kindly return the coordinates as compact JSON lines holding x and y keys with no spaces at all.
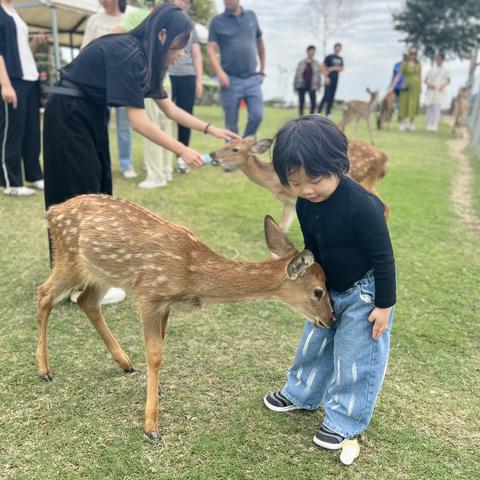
{"x":56,"y":42}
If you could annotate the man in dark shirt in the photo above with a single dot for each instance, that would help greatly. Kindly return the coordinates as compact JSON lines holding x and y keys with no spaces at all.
{"x":238,"y":36}
{"x":333,"y":65}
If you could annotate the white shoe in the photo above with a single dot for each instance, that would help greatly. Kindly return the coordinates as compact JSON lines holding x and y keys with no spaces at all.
{"x":153,"y":183}
{"x":129,"y":173}
{"x":401,"y":127}
{"x":19,"y":191}
{"x":113,"y":295}
{"x":37,"y":184}
{"x":412,"y":127}
{"x":168,"y":176}
{"x":182,"y":166}
{"x":330,"y":116}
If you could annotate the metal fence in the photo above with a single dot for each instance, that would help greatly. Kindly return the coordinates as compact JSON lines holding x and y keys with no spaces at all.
{"x":474,"y":119}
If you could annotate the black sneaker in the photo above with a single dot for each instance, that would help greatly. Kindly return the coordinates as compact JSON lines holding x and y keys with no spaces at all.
{"x":328,"y":439}
{"x":277,"y":402}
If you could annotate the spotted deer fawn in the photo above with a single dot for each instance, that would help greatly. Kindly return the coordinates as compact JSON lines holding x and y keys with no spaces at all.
{"x":358,"y":110}
{"x":387,"y":106}
{"x":367,"y":166}
{"x":99,"y":241}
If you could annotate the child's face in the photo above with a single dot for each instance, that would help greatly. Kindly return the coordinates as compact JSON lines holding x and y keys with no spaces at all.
{"x":313,"y":189}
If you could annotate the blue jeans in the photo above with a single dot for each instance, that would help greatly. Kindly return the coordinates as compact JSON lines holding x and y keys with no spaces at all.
{"x":249,"y":89}
{"x":342,"y":367}
{"x":124,"y":138}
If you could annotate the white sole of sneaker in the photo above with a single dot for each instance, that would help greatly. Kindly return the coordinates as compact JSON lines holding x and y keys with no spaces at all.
{"x":326,"y":445}
{"x":273,"y":408}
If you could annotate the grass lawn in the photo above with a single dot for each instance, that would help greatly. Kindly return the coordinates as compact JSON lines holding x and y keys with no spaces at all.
{"x":220,"y":361}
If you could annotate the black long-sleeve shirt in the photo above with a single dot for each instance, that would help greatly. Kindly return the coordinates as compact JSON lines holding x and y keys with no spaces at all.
{"x":348,"y":236}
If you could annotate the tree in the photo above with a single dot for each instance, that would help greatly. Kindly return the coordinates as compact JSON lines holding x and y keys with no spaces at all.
{"x":451,"y":26}
{"x":324,"y":17}
{"x":202,"y":10}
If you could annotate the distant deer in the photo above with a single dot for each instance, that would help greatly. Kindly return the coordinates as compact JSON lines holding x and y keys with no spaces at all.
{"x":99,"y":241}
{"x":358,"y":110}
{"x":367,"y":165}
{"x":460,"y":114}
{"x":387,"y":106}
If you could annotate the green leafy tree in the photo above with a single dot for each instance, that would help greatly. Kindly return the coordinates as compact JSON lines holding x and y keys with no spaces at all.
{"x":202,"y":10}
{"x":451,"y":26}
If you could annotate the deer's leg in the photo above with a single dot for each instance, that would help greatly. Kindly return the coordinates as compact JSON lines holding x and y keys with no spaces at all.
{"x":357,"y":121}
{"x":154,"y":321}
{"x":288,"y":212}
{"x":57,"y":285}
{"x":367,"y":121}
{"x":89,"y":301}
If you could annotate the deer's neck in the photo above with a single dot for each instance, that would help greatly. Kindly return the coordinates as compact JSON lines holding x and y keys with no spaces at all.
{"x":259,"y":172}
{"x":220,"y":280}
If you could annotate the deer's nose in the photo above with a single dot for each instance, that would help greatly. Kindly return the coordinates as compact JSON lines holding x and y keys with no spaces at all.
{"x":215,"y":161}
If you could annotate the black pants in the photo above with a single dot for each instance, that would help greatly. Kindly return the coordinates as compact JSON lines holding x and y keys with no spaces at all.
{"x":75,"y":149}
{"x":183,"y":94}
{"x":301,"y":99}
{"x":20,"y":133}
{"x":328,"y":97}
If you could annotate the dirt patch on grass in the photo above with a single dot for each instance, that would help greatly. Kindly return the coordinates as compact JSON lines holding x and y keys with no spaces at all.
{"x":462,"y":197}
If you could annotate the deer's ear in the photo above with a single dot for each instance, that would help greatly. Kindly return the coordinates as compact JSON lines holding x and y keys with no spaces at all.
{"x":251,"y":140}
{"x":262,"y":146}
{"x":298,"y":266}
{"x":276,"y":240}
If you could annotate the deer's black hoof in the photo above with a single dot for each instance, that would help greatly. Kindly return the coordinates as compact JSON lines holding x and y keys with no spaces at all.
{"x":48,"y":377}
{"x":152,"y":436}
{"x":159,"y":392}
{"x":130,"y":369}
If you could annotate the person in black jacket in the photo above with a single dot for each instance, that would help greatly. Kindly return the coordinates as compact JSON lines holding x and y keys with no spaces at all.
{"x":343,"y":225}
{"x":20,"y":111}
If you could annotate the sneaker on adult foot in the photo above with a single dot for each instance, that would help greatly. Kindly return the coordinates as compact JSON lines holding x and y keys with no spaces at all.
{"x":182,"y":166}
{"x":401,"y":127}
{"x":412,"y":127}
{"x":37,"y":184}
{"x":113,"y":295}
{"x":129,"y":172}
{"x":152,"y":184}
{"x":19,"y":191}
{"x":326,"y":438}
{"x":277,"y":402}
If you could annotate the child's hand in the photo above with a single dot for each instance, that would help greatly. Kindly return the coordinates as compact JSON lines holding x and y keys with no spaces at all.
{"x":379,"y":317}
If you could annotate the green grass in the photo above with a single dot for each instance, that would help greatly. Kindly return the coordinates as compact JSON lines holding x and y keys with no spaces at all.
{"x":220,"y":361}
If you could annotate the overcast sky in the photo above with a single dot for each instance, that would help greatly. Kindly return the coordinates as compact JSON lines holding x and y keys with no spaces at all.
{"x":370,"y":46}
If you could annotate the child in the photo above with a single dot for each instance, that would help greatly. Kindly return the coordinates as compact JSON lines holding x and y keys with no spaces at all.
{"x":342,"y":367}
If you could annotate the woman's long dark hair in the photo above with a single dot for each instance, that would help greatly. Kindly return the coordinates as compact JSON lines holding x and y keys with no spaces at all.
{"x":178,"y":27}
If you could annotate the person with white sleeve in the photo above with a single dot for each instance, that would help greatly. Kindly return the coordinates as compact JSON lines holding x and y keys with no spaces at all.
{"x":436,"y":81}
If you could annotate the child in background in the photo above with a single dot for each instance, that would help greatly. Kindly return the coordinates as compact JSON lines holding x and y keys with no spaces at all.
{"x":340,"y":368}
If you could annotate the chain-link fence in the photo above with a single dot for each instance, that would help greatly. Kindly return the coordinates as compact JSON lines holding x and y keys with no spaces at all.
{"x":474,"y":119}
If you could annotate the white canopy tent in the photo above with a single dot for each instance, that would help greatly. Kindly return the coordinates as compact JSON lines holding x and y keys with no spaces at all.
{"x":64,"y":19}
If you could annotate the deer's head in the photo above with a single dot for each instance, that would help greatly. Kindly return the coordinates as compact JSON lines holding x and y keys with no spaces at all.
{"x":304,"y":288}
{"x":236,"y":152}
{"x":373,"y":96}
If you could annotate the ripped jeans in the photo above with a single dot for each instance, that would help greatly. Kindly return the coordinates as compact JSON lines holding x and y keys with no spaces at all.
{"x":342,"y":368}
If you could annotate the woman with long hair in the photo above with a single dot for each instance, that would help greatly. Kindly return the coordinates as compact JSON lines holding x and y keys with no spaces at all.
{"x":114,"y":70}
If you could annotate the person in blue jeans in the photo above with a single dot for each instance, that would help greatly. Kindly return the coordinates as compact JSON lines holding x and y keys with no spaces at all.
{"x":238,"y":35}
{"x":339,"y":368}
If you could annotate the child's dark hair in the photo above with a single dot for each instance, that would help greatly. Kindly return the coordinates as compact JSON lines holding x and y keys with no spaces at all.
{"x":313,"y":143}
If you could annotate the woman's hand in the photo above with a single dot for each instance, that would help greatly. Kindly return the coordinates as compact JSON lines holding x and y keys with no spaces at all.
{"x":37,"y":41}
{"x":222,"y":133}
{"x":192,"y":157}
{"x":9,"y":95}
{"x":379,"y":317}
{"x":198,"y":89}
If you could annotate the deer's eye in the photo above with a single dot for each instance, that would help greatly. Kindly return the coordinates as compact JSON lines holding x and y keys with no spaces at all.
{"x":235,"y":150}
{"x":318,"y":292}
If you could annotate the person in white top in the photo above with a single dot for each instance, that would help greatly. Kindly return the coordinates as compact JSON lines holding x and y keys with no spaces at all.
{"x":20,"y":109}
{"x":436,"y":81}
{"x":102,"y":23}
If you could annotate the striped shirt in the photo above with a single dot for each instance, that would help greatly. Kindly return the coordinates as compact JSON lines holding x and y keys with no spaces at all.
{"x":184,"y":66}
